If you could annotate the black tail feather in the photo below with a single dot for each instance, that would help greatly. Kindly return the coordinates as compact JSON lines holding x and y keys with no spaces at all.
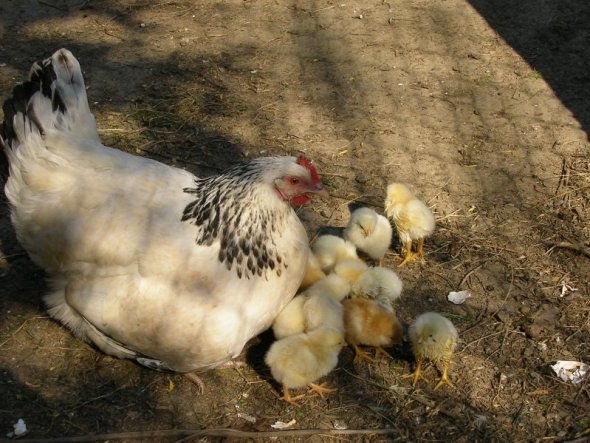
{"x":41,"y":76}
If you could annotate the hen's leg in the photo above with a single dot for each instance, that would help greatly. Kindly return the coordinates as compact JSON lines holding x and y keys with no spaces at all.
{"x":321,"y":389}
{"x":409,"y":256}
{"x":192,"y":377}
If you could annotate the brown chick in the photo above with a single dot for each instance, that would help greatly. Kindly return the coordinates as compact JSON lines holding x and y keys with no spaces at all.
{"x":433,"y":337}
{"x":412,"y":218}
{"x":368,"y":323}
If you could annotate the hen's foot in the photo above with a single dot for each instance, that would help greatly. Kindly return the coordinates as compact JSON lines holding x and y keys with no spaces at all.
{"x":193,"y":378}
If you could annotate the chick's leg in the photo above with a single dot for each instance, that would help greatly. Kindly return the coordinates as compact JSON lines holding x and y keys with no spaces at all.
{"x":380,"y":351}
{"x":409,"y":256}
{"x":360,"y":355}
{"x":321,"y":389}
{"x":420,"y":250}
{"x":287,"y":396}
{"x":444,"y":379}
{"x":417,"y":374}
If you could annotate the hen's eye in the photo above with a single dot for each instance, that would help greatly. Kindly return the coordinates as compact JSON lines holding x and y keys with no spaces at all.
{"x":294,"y":181}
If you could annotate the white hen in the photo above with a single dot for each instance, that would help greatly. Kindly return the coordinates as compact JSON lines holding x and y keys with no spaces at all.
{"x":145,"y":260}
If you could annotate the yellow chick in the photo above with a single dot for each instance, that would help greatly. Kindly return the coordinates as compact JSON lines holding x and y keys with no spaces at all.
{"x":368,"y":323}
{"x":322,"y":310}
{"x":313,"y":272}
{"x":369,"y":232}
{"x":380,"y":284}
{"x":291,"y":319}
{"x":300,"y":360}
{"x":433,"y":337}
{"x":316,"y":306}
{"x":330,"y":249}
{"x":334,"y":285}
{"x":350,"y":269}
{"x":413,"y":219}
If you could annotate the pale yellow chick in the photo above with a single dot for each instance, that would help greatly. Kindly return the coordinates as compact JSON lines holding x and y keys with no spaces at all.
{"x":412,"y":218}
{"x":368,"y":323}
{"x":334,"y":285}
{"x":319,"y":305}
{"x":350,"y":269}
{"x":322,"y":310}
{"x":433,"y":337}
{"x":291,"y":319}
{"x":300,"y":360}
{"x":380,"y":284}
{"x":313,"y":272}
{"x":330,"y":249}
{"x":369,"y":232}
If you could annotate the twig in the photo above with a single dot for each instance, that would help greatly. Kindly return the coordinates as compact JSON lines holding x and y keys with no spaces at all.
{"x":583,"y":439}
{"x":579,"y":329}
{"x":555,"y":197}
{"x":215,"y":432}
{"x":18,"y":254}
{"x":190,"y":162}
{"x":578,"y":247}
{"x":480,"y":339}
{"x":41,"y":2}
{"x":464,"y":279}
{"x":507,"y":293}
{"x":20,"y":327}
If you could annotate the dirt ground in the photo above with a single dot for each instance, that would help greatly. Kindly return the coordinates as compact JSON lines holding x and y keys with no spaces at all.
{"x":483,"y":106}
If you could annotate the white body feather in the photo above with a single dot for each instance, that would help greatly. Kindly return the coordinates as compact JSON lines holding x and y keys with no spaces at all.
{"x":123,"y":268}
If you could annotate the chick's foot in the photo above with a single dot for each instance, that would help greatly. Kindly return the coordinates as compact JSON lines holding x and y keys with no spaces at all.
{"x":287,"y":396}
{"x":360,"y":355}
{"x":409,"y":256}
{"x":416,"y":375}
{"x":321,"y":389}
{"x":444,"y":380}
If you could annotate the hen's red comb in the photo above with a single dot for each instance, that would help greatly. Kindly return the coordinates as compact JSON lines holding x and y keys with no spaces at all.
{"x":301,"y":160}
